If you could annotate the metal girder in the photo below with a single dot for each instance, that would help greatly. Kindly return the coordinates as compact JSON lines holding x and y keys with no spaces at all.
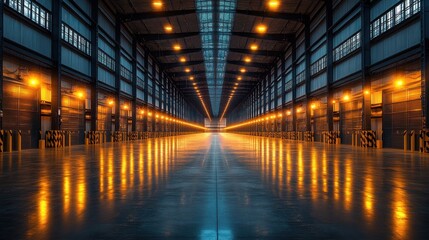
{"x":166,"y":53}
{"x":249,"y":64}
{"x":251,"y":74}
{"x":277,"y":15}
{"x":184,"y":74}
{"x":165,"y":36}
{"x":288,"y":37}
{"x":181,"y":64}
{"x":256,"y":52}
{"x":150,"y":15}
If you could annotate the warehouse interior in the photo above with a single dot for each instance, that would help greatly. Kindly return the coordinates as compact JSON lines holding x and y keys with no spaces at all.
{"x":214,"y":119}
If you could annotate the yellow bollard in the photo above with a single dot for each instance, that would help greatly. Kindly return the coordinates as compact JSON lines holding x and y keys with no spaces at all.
{"x":405,"y":140}
{"x":19,"y":141}
{"x":69,"y":138}
{"x":379,"y":143}
{"x":9,"y":141}
{"x":413,"y":141}
{"x":338,"y":141}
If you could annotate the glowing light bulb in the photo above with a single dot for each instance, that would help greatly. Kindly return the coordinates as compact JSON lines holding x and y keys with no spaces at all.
{"x":261,"y":28}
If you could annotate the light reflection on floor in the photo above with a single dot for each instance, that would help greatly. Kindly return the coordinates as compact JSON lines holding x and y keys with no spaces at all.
{"x":214,"y":186}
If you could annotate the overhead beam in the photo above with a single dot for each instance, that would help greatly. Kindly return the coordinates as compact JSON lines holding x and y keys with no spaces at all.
{"x":184,"y":74}
{"x":256,"y":52}
{"x":277,"y":15}
{"x":249,"y":64}
{"x":165,"y":36}
{"x":288,"y":37}
{"x":167,"y":53}
{"x":150,"y":15}
{"x":181,"y":64}
{"x":252,"y":74}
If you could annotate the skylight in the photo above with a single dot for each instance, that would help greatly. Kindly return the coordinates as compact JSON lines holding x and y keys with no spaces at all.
{"x":215,"y":21}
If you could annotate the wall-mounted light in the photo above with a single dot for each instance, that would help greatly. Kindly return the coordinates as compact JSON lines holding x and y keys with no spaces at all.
{"x":346,"y":97}
{"x":399,"y":83}
{"x":33,"y":82}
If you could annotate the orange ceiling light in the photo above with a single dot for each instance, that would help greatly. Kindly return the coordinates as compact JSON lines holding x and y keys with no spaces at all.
{"x":182,"y":59}
{"x":239,"y":78}
{"x":168,"y":28}
{"x":177,"y":47}
{"x":242,"y":70}
{"x":247,"y":59}
{"x":191,"y":78}
{"x":254,"y":47}
{"x":110,"y":102}
{"x":157,"y":4}
{"x":188,"y":70}
{"x":261,"y":28}
{"x":273,"y":4}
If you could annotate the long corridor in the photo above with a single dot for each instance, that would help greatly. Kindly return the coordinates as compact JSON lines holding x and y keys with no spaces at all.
{"x":214,"y":186}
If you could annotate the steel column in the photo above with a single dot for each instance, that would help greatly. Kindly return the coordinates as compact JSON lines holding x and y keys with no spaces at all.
{"x":94,"y":65}
{"x":56,"y":66}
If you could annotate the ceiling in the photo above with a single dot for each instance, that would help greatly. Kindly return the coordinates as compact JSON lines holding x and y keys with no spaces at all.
{"x":215,"y":39}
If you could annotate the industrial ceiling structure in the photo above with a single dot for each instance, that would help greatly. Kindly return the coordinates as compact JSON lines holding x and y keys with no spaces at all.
{"x":215,"y":50}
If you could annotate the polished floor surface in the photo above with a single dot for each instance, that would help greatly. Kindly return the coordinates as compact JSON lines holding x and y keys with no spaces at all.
{"x":214,"y":186}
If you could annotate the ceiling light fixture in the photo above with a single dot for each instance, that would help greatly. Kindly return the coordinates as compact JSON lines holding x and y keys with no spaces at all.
{"x":168,"y":28}
{"x":273,"y":4}
{"x":254,"y":47}
{"x":157,"y":4}
{"x":261,"y":28}
{"x":177,"y":47}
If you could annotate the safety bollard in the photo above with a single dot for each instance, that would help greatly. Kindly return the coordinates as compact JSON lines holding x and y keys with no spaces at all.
{"x":63,"y":136}
{"x":69,"y":138}
{"x":9,"y":141}
{"x":405,"y":140}
{"x":338,"y":141}
{"x":19,"y":141}
{"x":413,"y":141}
{"x":86,"y":138}
{"x":379,"y":143}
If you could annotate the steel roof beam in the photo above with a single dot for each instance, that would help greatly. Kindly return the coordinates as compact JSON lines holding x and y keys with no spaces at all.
{"x":181,"y":64}
{"x":287,"y":37}
{"x":150,"y":15}
{"x":249,"y":64}
{"x":167,"y":53}
{"x":165,"y":36}
{"x":277,"y":15}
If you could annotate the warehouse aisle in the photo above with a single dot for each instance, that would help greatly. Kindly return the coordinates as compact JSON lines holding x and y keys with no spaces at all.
{"x":214,"y":186}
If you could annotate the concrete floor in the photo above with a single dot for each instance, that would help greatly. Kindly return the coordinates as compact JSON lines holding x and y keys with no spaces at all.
{"x":214,"y":186}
